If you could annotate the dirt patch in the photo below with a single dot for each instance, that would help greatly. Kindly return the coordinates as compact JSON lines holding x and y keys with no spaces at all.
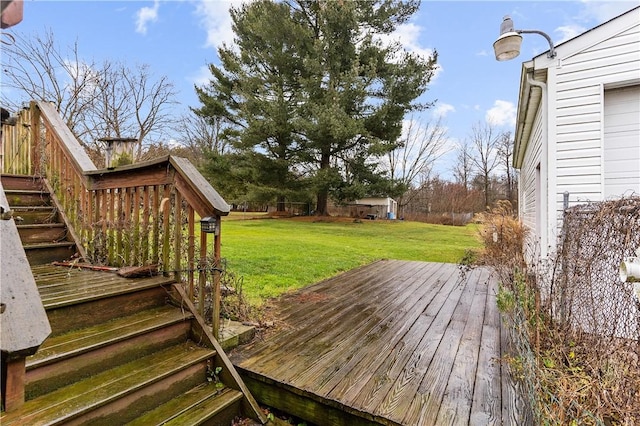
{"x":310,"y":297}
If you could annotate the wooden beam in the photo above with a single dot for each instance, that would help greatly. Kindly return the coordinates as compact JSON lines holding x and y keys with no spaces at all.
{"x":216,"y":281}
{"x":15,"y":381}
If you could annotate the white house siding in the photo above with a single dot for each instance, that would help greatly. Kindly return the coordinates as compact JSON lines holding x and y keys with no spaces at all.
{"x":528,"y":199}
{"x":579,"y":107}
{"x":622,"y":141}
{"x":530,"y":187}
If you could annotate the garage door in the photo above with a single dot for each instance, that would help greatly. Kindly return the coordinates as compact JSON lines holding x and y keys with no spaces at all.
{"x":622,"y":142}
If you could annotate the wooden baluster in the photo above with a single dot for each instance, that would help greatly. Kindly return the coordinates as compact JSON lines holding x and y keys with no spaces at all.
{"x":114,"y":223}
{"x":103,"y":211}
{"x":128,"y":196}
{"x":157,"y":198}
{"x":136,"y":244}
{"x":177,"y":237}
{"x":166,"y":210}
{"x":34,"y":135}
{"x":191,"y":250}
{"x":216,"y":280}
{"x":144,"y":249}
{"x":91,"y":197}
{"x":202,"y":267}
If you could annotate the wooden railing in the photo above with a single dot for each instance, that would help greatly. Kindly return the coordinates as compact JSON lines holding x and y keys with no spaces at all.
{"x":23,"y":320}
{"x":135,"y":215}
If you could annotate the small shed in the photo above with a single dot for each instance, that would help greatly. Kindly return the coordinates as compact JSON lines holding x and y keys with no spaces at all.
{"x":374,"y":207}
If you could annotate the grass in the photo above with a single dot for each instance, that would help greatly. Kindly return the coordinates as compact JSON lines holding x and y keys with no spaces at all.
{"x":278,"y":255}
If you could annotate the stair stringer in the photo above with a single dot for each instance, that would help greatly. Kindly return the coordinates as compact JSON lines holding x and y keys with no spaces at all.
{"x":202,"y":334}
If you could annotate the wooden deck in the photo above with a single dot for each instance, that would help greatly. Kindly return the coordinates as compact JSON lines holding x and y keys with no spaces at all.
{"x":394,"y":342}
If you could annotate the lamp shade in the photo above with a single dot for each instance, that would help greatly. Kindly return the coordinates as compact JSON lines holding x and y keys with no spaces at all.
{"x":208,"y":224}
{"x":507,"y":46}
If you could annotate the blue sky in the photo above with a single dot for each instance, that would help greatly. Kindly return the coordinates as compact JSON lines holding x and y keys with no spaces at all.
{"x":179,"y":38}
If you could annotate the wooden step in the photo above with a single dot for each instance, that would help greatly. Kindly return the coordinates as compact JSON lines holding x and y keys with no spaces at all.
{"x":65,"y":358}
{"x":43,"y":253}
{"x":21,"y":182}
{"x":35,"y":214}
{"x":121,"y":394}
{"x":89,"y":299}
{"x":43,"y":233}
{"x":198,"y":405}
{"x":25,"y":198}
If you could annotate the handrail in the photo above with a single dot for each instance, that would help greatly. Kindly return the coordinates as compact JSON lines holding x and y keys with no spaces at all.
{"x":19,"y":298}
{"x":139,"y":214}
{"x":23,"y":319}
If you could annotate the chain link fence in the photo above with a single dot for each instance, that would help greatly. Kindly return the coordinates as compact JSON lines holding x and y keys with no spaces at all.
{"x":587,"y":294}
{"x":574,"y":326}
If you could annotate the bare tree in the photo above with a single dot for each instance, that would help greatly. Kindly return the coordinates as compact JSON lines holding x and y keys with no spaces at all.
{"x":463,"y":168}
{"x":505,"y":154}
{"x":95,"y":100}
{"x":35,"y":68}
{"x":202,"y":135}
{"x":151,"y":100}
{"x":421,"y":146}
{"x":484,"y":140}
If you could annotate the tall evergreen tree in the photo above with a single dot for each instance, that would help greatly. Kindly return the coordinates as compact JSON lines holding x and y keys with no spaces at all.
{"x":313,"y":86}
{"x":358,"y":89}
{"x":256,"y":89}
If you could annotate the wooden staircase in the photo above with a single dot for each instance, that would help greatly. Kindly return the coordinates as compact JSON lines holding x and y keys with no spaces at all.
{"x":42,"y":229}
{"x":80,"y":346}
{"x":122,"y":350}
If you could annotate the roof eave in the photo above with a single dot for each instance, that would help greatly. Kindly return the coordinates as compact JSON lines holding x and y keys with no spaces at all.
{"x":528,"y":102}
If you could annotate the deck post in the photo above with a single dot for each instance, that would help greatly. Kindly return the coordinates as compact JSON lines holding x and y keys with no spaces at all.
{"x":35,"y":141}
{"x":216,"y":280}
{"x":13,"y":396}
{"x":202,"y":278}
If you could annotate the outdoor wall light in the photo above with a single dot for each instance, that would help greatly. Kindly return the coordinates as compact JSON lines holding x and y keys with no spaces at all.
{"x":507,"y":46}
{"x":208,"y":224}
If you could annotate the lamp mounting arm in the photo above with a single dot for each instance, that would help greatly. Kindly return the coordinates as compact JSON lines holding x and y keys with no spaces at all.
{"x":552,"y":50}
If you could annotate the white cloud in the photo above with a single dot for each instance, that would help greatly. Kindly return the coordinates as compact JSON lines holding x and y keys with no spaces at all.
{"x":503,"y":113}
{"x":216,"y":20}
{"x":442,"y":109}
{"x":591,"y":14}
{"x":568,"y":32}
{"x":408,"y":36}
{"x":146,"y":15}
{"x":482,"y":53}
{"x":602,"y":11}
{"x":201,"y":77}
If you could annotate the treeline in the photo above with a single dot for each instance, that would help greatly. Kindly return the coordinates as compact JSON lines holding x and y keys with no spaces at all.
{"x":313,"y":105}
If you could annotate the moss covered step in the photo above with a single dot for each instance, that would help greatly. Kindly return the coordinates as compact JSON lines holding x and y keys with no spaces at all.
{"x":43,"y":233}
{"x":43,"y":253}
{"x":35,"y":214}
{"x":27,"y":198}
{"x":121,"y":394}
{"x":21,"y":182}
{"x":68,"y":357}
{"x":195,"y":407}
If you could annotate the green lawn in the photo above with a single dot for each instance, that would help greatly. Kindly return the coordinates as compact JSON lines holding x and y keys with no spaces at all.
{"x":277,"y":255}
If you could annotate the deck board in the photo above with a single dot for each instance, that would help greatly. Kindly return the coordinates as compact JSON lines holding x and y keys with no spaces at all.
{"x":59,"y":285}
{"x":396,"y":342}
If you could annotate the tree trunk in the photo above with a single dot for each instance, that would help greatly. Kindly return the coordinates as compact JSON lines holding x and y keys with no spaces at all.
{"x":486,"y":191}
{"x":280,"y":204}
{"x":322,"y":201}
{"x":322,"y":207}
